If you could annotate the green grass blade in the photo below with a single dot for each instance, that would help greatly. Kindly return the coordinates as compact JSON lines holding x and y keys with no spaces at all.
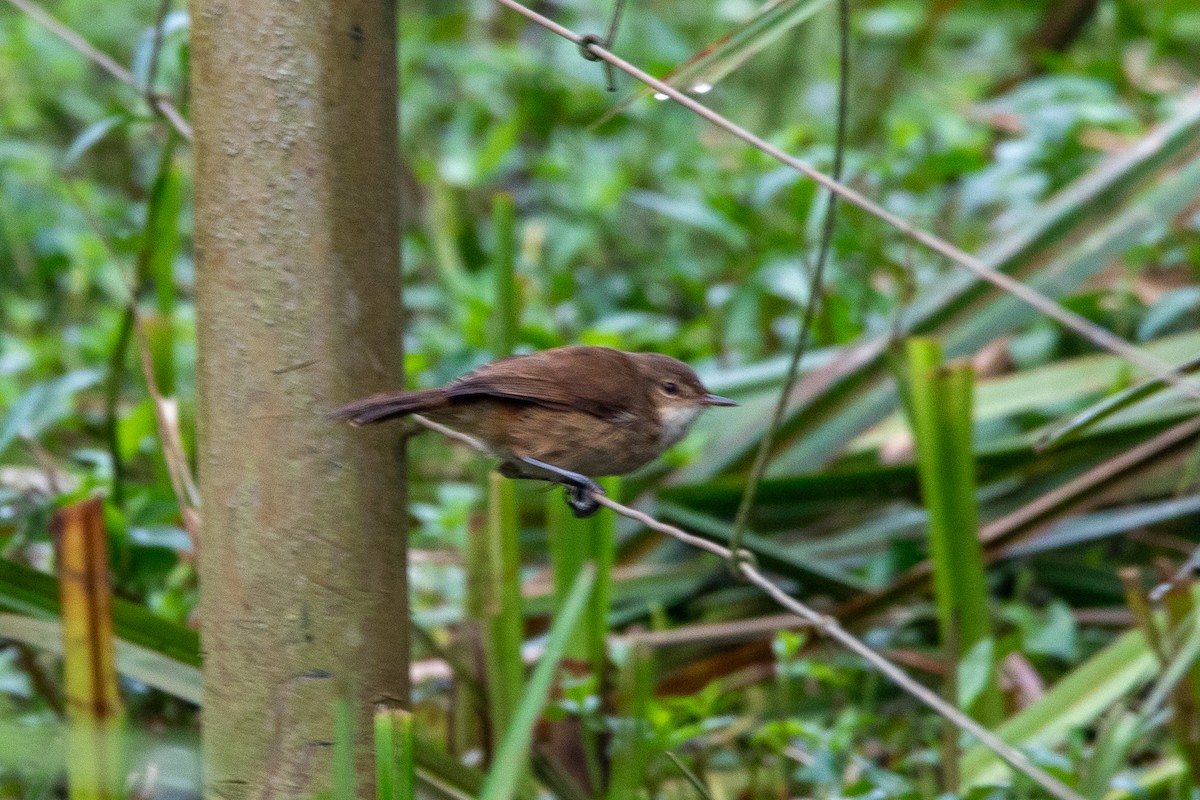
{"x":1183,"y":659}
{"x":1118,"y":731}
{"x":445,"y":225}
{"x":1107,"y":407}
{"x":604,"y":553}
{"x":1070,"y":380}
{"x":511,"y":762}
{"x":569,"y":543}
{"x":1158,"y":780}
{"x":156,"y":260}
{"x":1179,"y":601}
{"x":1084,"y":528}
{"x":798,"y":491}
{"x":1118,"y":736}
{"x":167,"y":662}
{"x":442,"y":775}
{"x":574,"y":542}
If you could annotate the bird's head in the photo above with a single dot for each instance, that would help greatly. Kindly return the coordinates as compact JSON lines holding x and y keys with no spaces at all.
{"x":676,"y":393}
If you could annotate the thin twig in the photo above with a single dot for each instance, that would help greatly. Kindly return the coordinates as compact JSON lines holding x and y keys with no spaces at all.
{"x":1185,"y":571}
{"x":43,"y":684}
{"x":103,"y":60}
{"x":46,"y":461}
{"x":831,"y":628}
{"x":155,"y":51}
{"x":692,"y":777}
{"x":161,"y":106}
{"x":1095,"y":334}
{"x":159,"y":102}
{"x":167,"y":415}
{"x":716,"y":632}
{"x":814,"y":290}
{"x":173,"y":115}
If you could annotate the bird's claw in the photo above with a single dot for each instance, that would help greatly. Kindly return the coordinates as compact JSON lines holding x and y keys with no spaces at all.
{"x":581,"y":490}
{"x":581,"y":497}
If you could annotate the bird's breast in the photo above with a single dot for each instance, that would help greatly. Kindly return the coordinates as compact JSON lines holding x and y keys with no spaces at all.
{"x":675,"y":422}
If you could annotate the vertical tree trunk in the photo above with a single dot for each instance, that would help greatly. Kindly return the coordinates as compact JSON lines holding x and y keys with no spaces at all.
{"x":297,"y":262}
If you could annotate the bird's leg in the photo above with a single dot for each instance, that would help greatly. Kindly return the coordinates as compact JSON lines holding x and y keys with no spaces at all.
{"x":581,"y":490}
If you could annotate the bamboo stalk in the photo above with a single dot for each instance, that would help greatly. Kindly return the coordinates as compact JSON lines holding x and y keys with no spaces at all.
{"x":569,"y":548}
{"x":510,"y":763}
{"x":631,"y":750}
{"x":573,"y":543}
{"x":939,"y":406}
{"x":395,"y":771}
{"x":344,"y":783}
{"x":493,"y":564}
{"x":94,"y":715}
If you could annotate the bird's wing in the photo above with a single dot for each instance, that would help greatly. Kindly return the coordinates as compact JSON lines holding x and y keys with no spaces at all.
{"x":597,"y":380}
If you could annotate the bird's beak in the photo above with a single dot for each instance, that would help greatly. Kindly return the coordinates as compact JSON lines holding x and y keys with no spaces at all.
{"x":717,"y":400}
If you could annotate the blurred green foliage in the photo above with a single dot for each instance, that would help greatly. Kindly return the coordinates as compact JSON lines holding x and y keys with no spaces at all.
{"x":644,"y":231}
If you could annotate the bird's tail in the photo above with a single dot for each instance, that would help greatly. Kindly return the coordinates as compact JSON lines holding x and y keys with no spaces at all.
{"x":383,"y":407}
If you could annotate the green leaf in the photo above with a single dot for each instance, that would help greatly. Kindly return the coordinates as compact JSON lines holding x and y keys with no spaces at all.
{"x":1076,"y":700}
{"x":1177,"y":306}
{"x":44,"y":404}
{"x":976,"y":670}
{"x":91,"y":136}
{"x":34,"y":593}
{"x":770,"y":554}
{"x":173,"y":676}
{"x":693,"y":212}
{"x":1109,"y":406}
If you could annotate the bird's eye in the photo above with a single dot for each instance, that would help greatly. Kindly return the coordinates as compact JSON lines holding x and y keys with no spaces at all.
{"x":669,"y":387}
